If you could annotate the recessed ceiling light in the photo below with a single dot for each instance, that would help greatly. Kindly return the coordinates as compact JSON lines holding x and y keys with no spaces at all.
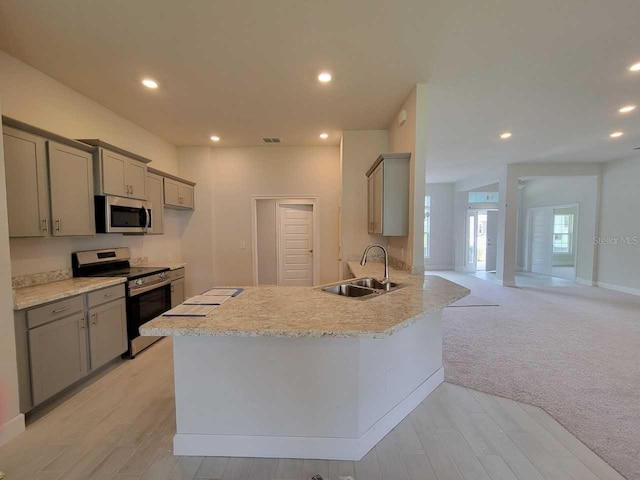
{"x":324,"y":77}
{"x":627,"y":108}
{"x":635,"y":67}
{"x":616,"y":134}
{"x":324,"y":136}
{"x":215,"y":138}
{"x":147,"y":82}
{"x":505,"y":135}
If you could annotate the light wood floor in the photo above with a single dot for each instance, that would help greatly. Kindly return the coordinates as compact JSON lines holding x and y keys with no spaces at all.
{"x":121,"y":427}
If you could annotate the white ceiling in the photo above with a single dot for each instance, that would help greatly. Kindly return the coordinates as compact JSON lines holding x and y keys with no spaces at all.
{"x":553,"y":72}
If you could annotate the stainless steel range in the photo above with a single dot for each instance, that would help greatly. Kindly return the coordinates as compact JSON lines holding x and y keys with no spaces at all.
{"x":148,"y":288}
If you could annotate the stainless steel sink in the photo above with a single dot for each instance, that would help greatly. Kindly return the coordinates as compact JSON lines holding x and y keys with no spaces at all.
{"x":348,"y":290}
{"x":373,"y":283}
{"x":362,"y":288}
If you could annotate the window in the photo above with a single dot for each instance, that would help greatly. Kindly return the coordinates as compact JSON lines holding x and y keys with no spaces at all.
{"x":427,"y":225}
{"x":563,"y":233}
{"x":484,"y":197}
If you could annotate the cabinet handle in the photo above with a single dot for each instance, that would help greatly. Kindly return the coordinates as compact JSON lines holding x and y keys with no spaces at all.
{"x":107,"y":295}
{"x":82,"y":323}
{"x":94,"y":319}
{"x":58,"y":225}
{"x":44,"y":225}
{"x":131,"y":189}
{"x":173,"y":289}
{"x":62,"y":309}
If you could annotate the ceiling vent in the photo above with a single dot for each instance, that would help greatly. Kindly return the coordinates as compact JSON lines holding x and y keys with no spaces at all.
{"x":271,"y":140}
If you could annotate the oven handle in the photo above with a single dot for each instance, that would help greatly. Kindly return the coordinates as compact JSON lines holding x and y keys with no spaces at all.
{"x":138,"y":291}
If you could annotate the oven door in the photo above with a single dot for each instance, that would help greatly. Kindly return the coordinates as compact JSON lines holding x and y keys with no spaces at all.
{"x":142,"y":308}
{"x":124,"y":215}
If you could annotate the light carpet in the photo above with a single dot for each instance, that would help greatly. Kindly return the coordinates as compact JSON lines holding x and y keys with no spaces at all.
{"x":574,"y":351}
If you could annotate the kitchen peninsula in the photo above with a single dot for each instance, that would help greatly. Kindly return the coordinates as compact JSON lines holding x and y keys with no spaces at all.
{"x":296,"y":372}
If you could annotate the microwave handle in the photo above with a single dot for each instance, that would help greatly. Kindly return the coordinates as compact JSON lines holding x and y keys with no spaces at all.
{"x":149,"y":217}
{"x":146,"y":217}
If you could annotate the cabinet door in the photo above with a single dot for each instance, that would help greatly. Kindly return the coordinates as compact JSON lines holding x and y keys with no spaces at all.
{"x":155,"y":196}
{"x":58,"y":355}
{"x":71,"y":187}
{"x":370,"y":203}
{"x":135,"y":176}
{"x":171,"y":192}
{"x":26,"y":177}
{"x":377,"y":198}
{"x":113,"y":177}
{"x":185,"y":193}
{"x":107,"y":332}
{"x":177,"y":292}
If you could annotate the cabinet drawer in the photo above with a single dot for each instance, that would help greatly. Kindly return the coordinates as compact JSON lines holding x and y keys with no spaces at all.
{"x":105,"y":295}
{"x":53,"y":311}
{"x":176,"y":274}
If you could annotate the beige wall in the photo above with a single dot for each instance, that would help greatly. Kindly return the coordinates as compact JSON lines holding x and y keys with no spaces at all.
{"x":228,"y":178}
{"x":411,"y":137}
{"x":9,"y":409}
{"x":33,"y":97}
{"x":267,"y":248}
{"x":360,"y":148}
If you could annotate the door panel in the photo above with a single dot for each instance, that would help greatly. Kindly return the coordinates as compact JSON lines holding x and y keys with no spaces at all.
{"x":295,"y":260}
{"x":471,"y":241}
{"x":71,"y":185}
{"x":58,"y":355}
{"x":135,"y":175}
{"x":185,"y":193}
{"x":107,"y":332}
{"x":541,"y":240}
{"x":113,"y":167}
{"x":171,"y":192}
{"x":492,"y":240}
{"x":26,"y":178}
{"x":154,"y":195}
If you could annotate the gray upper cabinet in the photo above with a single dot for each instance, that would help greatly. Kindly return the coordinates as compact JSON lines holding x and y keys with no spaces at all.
{"x":27,"y":190}
{"x":388,"y":192}
{"x":58,"y":355}
{"x":71,"y":189}
{"x":178,"y":194}
{"x":107,"y":332}
{"x":119,"y":175}
{"x":156,"y":197}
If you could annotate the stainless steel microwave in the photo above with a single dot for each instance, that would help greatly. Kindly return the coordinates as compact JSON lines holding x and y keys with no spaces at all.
{"x":122,"y":215}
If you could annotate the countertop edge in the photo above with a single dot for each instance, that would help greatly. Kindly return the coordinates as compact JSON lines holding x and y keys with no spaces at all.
{"x":52,"y":297}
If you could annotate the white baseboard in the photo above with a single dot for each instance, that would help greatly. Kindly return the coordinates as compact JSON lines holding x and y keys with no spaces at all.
{"x":618,"y":288}
{"x":12,"y":429}
{"x":435,"y":268}
{"x":585,"y":282}
{"x":305,"y":447}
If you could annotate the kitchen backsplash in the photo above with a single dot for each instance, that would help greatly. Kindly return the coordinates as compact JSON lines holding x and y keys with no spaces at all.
{"x":40,"y":278}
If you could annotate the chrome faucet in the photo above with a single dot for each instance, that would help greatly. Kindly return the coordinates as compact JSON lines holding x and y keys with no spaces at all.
{"x":385,"y":281}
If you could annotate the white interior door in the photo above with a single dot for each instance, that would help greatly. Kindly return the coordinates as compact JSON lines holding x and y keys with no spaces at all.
{"x":472,"y":240}
{"x":541,"y":240}
{"x":492,"y":240}
{"x":295,"y":252}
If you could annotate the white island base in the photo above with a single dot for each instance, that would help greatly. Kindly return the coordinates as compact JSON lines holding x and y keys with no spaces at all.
{"x":301,"y":397}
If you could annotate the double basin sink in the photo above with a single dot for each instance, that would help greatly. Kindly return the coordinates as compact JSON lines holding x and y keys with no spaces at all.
{"x":362,"y":288}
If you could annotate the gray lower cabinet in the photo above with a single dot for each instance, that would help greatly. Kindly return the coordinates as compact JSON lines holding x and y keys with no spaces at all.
{"x":58,"y":355}
{"x":61,"y":342}
{"x":107,"y":332}
{"x":177,"y":292}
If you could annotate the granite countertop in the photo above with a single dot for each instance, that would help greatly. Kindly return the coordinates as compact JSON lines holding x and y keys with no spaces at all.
{"x":310,"y":312}
{"x":48,"y":292}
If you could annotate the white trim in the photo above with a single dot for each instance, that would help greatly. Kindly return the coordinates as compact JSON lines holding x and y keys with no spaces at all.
{"x":586,"y":282}
{"x":436,"y":268}
{"x":619,"y":288}
{"x":12,"y":429}
{"x":305,"y":447}
{"x":312,"y":200}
